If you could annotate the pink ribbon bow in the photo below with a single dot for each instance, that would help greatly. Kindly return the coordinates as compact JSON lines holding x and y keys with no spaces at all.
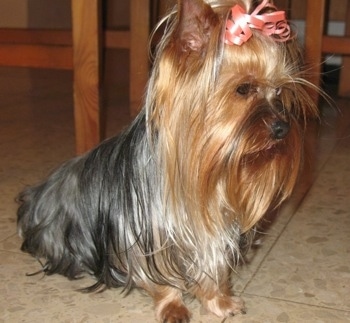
{"x":240,"y":24}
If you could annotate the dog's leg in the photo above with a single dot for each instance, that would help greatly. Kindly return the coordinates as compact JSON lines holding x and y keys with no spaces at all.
{"x":219,"y":300}
{"x":224,"y":305}
{"x":169,"y":305}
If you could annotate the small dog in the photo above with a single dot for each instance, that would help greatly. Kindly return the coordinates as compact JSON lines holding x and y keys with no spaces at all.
{"x":169,"y":205}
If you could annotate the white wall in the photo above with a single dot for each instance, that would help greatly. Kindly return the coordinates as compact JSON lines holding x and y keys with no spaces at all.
{"x":334,"y":28}
{"x":35,"y":14}
{"x":13,"y":13}
{"x":55,"y":13}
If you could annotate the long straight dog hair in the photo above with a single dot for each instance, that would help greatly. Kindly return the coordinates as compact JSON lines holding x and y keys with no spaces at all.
{"x":174,"y":198}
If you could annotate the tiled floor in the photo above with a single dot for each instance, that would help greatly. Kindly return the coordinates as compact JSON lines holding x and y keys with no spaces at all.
{"x":301,"y":272}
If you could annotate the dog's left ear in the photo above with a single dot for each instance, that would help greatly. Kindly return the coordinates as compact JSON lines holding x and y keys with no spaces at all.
{"x":196,"y":21}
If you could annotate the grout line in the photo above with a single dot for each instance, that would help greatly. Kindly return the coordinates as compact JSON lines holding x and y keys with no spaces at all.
{"x":299,"y":303}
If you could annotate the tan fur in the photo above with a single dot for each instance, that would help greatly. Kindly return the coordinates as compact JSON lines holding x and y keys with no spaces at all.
{"x":172,"y":203}
{"x":223,"y":168}
{"x":193,"y":146}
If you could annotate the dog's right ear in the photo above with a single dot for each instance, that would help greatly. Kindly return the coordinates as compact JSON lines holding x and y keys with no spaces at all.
{"x":196,"y":21}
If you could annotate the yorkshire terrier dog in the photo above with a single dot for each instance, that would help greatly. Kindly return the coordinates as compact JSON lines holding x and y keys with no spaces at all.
{"x":169,"y":205}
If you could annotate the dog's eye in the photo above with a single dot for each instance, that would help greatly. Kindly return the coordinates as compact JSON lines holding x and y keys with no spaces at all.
{"x":245,"y":89}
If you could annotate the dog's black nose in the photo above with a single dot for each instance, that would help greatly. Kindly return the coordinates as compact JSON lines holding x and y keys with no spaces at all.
{"x":279,"y":129}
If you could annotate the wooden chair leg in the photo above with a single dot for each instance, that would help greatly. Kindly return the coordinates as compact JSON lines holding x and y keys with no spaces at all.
{"x":315,"y":15}
{"x":344,"y":82}
{"x":139,"y":56}
{"x":86,"y":15}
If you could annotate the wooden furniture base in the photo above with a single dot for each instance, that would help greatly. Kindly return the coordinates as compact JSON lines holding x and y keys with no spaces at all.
{"x":80,"y":50}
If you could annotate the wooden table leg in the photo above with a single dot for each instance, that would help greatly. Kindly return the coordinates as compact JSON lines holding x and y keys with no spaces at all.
{"x":344,"y":82}
{"x":86,"y":15}
{"x":139,"y":56}
{"x":313,"y":41}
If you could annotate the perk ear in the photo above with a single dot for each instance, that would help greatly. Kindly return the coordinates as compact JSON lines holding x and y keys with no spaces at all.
{"x":196,"y":21}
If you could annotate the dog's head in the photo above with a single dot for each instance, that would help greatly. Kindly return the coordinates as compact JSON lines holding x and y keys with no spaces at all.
{"x":228,"y":105}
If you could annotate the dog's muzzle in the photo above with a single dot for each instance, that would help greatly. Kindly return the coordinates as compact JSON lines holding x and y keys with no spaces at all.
{"x":279,"y":129}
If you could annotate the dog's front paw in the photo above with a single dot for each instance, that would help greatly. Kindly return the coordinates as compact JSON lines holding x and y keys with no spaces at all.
{"x":225,"y":306}
{"x":174,"y":312}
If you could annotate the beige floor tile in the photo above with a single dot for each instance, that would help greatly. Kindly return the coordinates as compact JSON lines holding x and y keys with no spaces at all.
{"x":311,"y":259}
{"x":300,"y":273}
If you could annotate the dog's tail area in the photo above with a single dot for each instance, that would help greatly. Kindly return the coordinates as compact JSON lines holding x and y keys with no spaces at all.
{"x":47,"y":220}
